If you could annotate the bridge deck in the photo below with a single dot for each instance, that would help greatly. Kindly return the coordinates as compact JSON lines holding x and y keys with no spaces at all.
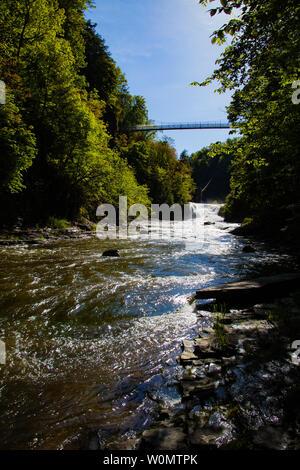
{"x":177,"y":126}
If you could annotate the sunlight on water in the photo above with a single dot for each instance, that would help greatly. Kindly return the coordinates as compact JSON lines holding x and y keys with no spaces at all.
{"x":92,"y":341}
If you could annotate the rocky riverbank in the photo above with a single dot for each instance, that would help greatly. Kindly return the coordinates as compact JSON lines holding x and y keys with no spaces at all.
{"x":280,"y":229}
{"x":45,"y":235}
{"x":240,"y":386}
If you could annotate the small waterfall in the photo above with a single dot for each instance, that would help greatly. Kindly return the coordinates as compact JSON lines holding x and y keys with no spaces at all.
{"x":194,"y":210}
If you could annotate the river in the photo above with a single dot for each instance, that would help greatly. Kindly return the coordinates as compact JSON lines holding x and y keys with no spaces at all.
{"x":92,"y":341}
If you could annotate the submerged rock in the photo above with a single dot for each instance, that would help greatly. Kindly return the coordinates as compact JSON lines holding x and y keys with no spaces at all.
{"x":112,"y":253}
{"x":248,"y":249}
{"x":251,"y":292}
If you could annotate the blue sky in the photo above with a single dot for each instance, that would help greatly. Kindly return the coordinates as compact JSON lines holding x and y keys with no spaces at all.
{"x":162,"y":46}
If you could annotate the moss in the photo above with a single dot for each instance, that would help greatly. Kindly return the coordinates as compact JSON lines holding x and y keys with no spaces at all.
{"x":232,"y":411}
{"x":248,"y":221}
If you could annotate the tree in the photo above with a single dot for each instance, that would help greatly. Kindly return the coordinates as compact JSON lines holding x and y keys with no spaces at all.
{"x":52,"y":126}
{"x":65,"y":145}
{"x":211,"y":170}
{"x":155,"y":163}
{"x":17,"y":147}
{"x":100,"y":69}
{"x":122,"y":110}
{"x":260,"y":64}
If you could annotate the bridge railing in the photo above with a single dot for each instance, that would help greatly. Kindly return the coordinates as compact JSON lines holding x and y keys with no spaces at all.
{"x":180,"y":125}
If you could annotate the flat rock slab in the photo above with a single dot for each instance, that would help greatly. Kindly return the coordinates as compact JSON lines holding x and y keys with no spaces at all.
{"x":245,"y":292}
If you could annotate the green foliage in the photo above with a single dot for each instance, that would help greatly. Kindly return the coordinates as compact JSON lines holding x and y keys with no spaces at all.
{"x":17,"y":147}
{"x":53,"y":222}
{"x":260,"y":64}
{"x":156,"y":165}
{"x":247,"y":221}
{"x":219,"y":329}
{"x":211,"y":171}
{"x":63,"y":132}
{"x":122,"y":110}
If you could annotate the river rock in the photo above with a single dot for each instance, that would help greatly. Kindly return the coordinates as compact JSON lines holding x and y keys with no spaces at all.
{"x":112,"y":253}
{"x":163,"y":439}
{"x":9,"y":242}
{"x":85,"y":225}
{"x":188,"y":354}
{"x":206,"y":437}
{"x":271,"y":437}
{"x":253,"y":291}
{"x":213,"y":369}
{"x":204,"y":346}
{"x":248,"y":249}
{"x":200,"y":387}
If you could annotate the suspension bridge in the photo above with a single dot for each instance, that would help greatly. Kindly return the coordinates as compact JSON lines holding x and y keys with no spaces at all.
{"x":179,"y":125}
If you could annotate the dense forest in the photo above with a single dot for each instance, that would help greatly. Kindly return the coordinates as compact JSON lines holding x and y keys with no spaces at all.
{"x":64,"y":140}
{"x":261,"y":65}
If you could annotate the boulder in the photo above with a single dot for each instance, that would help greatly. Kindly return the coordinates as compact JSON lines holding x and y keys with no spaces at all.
{"x":248,"y":249}
{"x":162,"y":438}
{"x":86,"y":225}
{"x":251,"y":292}
{"x":112,"y":253}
